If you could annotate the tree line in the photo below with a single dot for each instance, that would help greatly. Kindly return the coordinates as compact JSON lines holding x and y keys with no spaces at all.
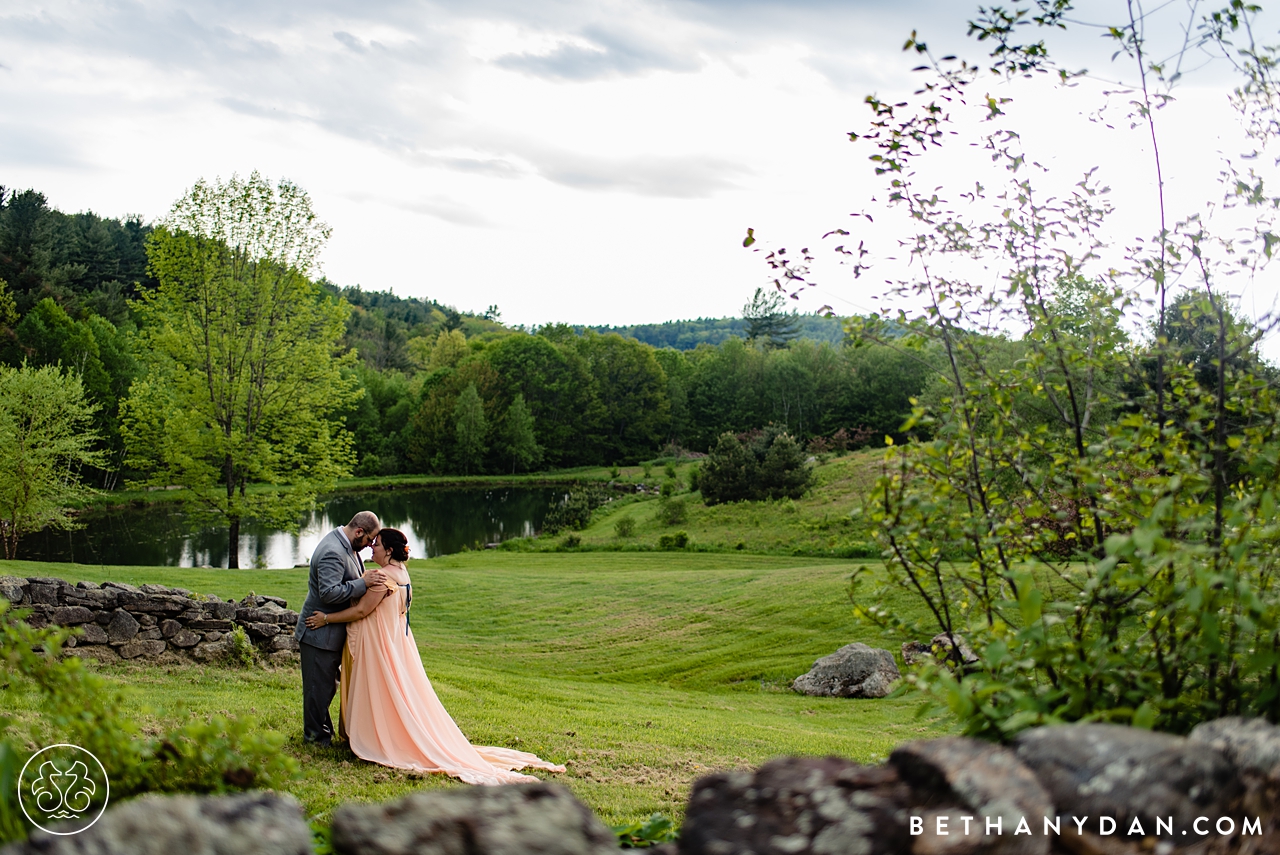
{"x":436,"y":390}
{"x":557,"y":398}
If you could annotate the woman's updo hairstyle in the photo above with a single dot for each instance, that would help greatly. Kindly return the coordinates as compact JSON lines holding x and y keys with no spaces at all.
{"x":396,"y":544}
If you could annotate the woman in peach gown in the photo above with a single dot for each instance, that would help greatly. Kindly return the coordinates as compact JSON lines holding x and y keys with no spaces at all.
{"x":391,"y":712}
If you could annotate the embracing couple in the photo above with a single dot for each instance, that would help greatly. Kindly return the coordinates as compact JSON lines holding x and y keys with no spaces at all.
{"x":355,"y":623}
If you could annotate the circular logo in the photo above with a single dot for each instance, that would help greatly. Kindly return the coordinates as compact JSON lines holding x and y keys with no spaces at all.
{"x":64,"y":787}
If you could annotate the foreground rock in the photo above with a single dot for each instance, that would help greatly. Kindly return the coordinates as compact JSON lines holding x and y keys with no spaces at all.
{"x":954,"y":777}
{"x":830,"y":805}
{"x":1251,"y":744}
{"x":1093,"y":770}
{"x":798,"y":805}
{"x":243,"y":824}
{"x":1110,"y":790}
{"x":511,"y":820}
{"x":853,"y":671}
{"x":949,"y":796}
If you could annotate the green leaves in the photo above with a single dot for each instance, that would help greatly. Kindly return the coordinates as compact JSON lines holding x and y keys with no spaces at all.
{"x":220,"y":754}
{"x":644,"y":833}
{"x":45,"y":440}
{"x":243,"y":370}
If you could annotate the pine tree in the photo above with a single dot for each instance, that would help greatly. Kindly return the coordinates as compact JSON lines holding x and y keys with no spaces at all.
{"x":472,"y":426}
{"x":521,"y":441}
{"x":766,"y":321}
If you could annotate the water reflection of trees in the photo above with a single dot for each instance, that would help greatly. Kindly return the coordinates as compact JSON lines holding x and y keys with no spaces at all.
{"x":438,"y":522}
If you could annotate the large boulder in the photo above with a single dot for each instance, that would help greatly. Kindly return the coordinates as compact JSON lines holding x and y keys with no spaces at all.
{"x":516,"y":819}
{"x":257,"y":823}
{"x":853,"y":671}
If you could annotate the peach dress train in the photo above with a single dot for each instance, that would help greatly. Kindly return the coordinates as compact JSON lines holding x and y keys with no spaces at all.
{"x":391,"y":712}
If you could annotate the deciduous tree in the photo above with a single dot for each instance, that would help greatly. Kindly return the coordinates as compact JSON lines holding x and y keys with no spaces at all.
{"x":243,"y":368}
{"x":45,"y":439}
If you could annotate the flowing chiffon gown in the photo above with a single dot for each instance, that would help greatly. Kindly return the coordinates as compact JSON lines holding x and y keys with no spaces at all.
{"x":391,"y":712}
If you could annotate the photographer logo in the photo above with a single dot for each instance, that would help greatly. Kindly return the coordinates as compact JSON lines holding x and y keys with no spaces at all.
{"x":63,"y":787}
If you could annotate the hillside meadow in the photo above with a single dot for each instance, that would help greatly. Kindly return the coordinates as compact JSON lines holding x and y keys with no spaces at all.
{"x":826,"y":521}
{"x":640,"y":671}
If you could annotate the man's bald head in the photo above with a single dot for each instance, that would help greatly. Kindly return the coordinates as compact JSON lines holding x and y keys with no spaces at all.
{"x":362,"y":529}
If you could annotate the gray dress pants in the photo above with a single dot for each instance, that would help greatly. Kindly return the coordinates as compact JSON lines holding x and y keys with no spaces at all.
{"x":319,"y":683}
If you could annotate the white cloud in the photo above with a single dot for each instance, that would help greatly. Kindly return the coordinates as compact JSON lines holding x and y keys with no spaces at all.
{"x":586,"y":162}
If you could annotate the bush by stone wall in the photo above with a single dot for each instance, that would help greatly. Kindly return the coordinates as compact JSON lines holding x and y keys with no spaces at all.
{"x":121,"y":621}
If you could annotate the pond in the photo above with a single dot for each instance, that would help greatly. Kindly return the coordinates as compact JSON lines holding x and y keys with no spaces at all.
{"x":437,"y":522}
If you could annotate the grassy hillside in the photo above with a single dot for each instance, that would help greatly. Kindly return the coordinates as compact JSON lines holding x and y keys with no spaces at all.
{"x":640,"y":671}
{"x":824,"y":522}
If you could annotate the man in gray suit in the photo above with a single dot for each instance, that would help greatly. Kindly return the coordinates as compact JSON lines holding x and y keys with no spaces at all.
{"x":337,"y":575}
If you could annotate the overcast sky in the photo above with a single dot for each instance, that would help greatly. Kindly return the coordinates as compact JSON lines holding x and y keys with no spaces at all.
{"x":588,"y":162}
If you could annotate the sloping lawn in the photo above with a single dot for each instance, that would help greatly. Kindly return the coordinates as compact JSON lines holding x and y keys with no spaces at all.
{"x":639,"y":671}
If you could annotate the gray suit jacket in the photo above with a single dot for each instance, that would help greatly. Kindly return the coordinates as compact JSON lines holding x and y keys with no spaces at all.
{"x":333,"y":580}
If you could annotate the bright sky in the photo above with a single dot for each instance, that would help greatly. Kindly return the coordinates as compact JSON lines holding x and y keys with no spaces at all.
{"x":588,"y":162}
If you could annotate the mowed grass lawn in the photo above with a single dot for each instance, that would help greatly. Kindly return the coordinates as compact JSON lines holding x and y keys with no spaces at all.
{"x":639,"y":671}
{"x":820,"y":523}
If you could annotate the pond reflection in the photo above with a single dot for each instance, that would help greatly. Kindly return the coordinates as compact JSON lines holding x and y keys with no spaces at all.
{"x":437,"y":522}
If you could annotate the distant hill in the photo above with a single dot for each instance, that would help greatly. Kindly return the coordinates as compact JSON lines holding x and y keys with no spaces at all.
{"x":686,"y":335}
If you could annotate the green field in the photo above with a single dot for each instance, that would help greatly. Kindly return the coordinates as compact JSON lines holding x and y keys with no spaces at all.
{"x":822,"y":523}
{"x":639,"y":671}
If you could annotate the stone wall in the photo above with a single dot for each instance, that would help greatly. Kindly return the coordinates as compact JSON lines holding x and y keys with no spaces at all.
{"x":121,"y":621}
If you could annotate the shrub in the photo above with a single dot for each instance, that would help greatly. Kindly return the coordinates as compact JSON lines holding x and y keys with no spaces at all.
{"x":672,"y":511}
{"x":242,"y":652}
{"x":675,"y":540}
{"x":84,"y":709}
{"x":572,"y":512}
{"x":670,"y":471}
{"x":668,"y":489}
{"x":614,"y":472}
{"x":819,"y":445}
{"x":650,"y":832}
{"x":1092,"y":504}
{"x":624,"y":527}
{"x":693,"y":478}
{"x":12,"y":824}
{"x":770,"y":465}
{"x":572,"y":541}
